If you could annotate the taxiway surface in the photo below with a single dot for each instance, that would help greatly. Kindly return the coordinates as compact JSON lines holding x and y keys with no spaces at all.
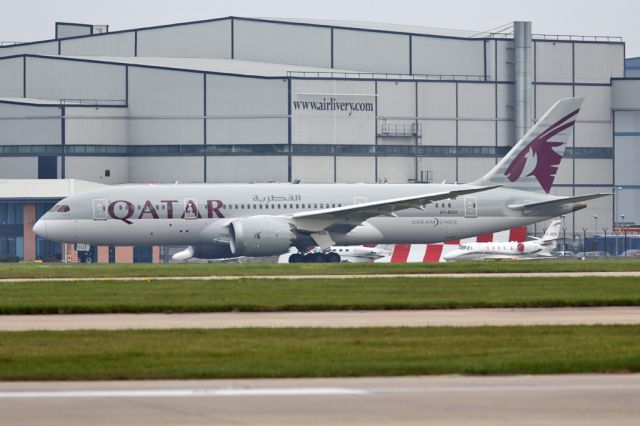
{"x":408,"y":318}
{"x":441,"y":400}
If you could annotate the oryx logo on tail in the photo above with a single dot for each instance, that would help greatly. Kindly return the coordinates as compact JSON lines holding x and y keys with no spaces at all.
{"x":539,"y":158}
{"x":532,"y":164}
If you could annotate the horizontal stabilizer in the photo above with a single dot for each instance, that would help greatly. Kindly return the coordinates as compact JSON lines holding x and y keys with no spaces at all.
{"x":557,"y":201}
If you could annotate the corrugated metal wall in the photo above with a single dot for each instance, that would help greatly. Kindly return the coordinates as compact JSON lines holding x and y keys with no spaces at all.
{"x":246,"y":110}
{"x":204,"y":40}
{"x":472,"y":107}
{"x":68,"y":79}
{"x":29,"y":125}
{"x":165,"y":107}
{"x":117,"y":44}
{"x":282,"y":43}
{"x":11,"y":75}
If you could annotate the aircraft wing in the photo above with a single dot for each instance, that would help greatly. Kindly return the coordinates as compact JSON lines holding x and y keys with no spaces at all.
{"x":557,"y":201}
{"x":317,"y":223}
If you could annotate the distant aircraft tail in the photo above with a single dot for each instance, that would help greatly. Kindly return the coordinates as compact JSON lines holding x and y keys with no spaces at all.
{"x":550,"y":237}
{"x":533,"y":162}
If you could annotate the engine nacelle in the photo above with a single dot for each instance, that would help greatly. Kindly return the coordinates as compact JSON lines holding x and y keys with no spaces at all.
{"x":260,"y":236}
{"x":528,"y":247}
{"x":211,"y":252}
{"x":217,"y":251}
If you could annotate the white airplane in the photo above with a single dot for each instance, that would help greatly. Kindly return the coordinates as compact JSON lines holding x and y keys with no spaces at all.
{"x":232,"y":220}
{"x":362,"y":253}
{"x":540,"y":248}
{"x":351,"y":254}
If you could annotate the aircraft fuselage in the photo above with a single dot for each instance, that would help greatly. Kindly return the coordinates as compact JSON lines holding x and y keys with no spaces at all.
{"x":200,"y":213}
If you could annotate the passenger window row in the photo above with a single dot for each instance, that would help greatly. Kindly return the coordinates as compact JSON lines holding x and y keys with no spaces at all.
{"x":280,"y":206}
{"x":444,"y":205}
{"x":251,"y":206}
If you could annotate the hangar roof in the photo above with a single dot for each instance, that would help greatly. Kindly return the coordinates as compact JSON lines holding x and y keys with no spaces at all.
{"x":42,"y":102}
{"x":57,"y":103}
{"x":226,"y":66}
{"x":30,"y":101}
{"x":34,"y":189}
{"x":379,"y":26}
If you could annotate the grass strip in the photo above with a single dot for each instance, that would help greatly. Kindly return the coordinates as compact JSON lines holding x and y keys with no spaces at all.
{"x":61,"y":270}
{"x":316,"y":352}
{"x":301,"y":295}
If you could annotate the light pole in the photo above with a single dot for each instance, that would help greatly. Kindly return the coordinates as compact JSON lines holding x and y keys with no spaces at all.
{"x":624,"y":241}
{"x":617,"y":190}
{"x":584,"y":240}
{"x":595,"y":232}
{"x":604,"y":229}
{"x":564,"y":234}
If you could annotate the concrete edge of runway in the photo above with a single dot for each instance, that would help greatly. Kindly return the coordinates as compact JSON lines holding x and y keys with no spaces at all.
{"x":316,"y":385}
{"x":327,"y":319}
{"x":570,"y":400}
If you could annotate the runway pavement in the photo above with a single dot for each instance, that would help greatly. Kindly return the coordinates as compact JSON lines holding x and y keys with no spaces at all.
{"x":411,"y":318}
{"x":441,"y":400}
{"x":336,"y":277}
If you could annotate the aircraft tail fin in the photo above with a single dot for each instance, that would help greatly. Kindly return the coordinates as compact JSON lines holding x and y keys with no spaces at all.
{"x":550,"y":237}
{"x":533,"y":162}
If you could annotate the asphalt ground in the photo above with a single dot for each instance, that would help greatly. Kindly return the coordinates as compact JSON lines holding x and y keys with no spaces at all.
{"x":437,"y":400}
{"x":335,"y":319}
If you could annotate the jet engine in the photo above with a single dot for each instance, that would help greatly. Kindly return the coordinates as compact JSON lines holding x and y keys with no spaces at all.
{"x":528,"y":248}
{"x":217,"y":251}
{"x":260,"y":236}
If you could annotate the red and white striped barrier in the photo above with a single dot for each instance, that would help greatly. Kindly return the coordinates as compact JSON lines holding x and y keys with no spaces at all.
{"x":416,"y":253}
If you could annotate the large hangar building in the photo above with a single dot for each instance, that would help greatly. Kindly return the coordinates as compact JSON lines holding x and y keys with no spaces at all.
{"x":283,"y":100}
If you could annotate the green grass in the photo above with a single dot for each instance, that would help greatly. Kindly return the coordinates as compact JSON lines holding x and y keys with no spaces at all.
{"x":61,"y":270}
{"x":321,"y":294}
{"x":313,"y":352}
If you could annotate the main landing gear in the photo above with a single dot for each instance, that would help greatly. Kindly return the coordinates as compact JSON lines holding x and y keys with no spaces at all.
{"x":329,"y":257}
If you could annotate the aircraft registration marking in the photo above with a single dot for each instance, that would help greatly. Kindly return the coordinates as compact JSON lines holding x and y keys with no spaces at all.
{"x":434,"y":221}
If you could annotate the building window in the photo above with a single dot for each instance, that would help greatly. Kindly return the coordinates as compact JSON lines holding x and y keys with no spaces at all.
{"x":143,"y":254}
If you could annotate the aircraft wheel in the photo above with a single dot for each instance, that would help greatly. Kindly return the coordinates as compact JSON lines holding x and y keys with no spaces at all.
{"x":333,"y":257}
{"x":315,"y":258}
{"x":296,"y":258}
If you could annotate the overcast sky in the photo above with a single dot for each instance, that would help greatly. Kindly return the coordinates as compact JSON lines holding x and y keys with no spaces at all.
{"x":29,"y":20}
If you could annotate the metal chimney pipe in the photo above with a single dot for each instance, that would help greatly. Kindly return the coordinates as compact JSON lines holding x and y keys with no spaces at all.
{"x":523,"y":77}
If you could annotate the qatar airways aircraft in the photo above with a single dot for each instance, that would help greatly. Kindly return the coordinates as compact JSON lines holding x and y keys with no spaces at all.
{"x":539,"y":249}
{"x":231,"y":220}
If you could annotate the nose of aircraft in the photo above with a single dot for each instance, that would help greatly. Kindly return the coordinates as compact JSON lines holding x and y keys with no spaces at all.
{"x":451,"y":255}
{"x":40,"y":228}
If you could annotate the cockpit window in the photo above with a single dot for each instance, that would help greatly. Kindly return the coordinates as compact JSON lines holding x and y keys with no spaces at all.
{"x":62,"y":208}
